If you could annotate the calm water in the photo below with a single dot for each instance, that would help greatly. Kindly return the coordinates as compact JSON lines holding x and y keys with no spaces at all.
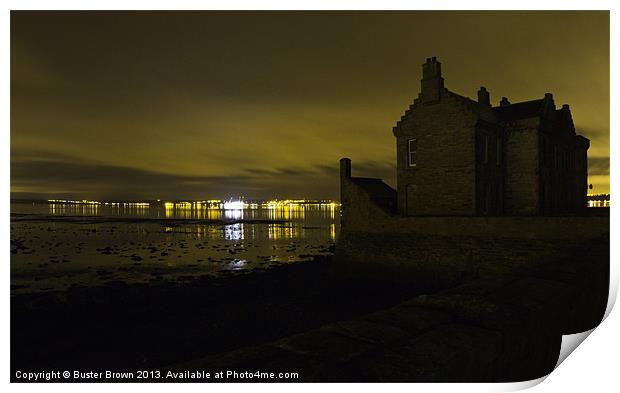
{"x":74,"y":249}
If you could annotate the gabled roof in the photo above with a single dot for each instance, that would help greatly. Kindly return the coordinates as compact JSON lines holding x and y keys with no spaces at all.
{"x":463,"y":99}
{"x":519,"y":110}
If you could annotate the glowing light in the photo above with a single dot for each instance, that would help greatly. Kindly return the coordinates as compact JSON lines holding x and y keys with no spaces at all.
{"x":233,"y":205}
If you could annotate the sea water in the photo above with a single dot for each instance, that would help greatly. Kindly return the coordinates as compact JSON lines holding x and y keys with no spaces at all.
{"x":56,"y":246}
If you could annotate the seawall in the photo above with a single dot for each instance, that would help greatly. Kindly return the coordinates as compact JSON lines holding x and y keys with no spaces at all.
{"x":441,"y":252}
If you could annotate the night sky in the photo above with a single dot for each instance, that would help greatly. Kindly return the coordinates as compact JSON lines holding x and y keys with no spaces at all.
{"x":199,"y":105}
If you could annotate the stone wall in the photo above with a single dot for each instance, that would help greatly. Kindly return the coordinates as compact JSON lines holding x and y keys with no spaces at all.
{"x":443,"y":180}
{"x":443,"y":251}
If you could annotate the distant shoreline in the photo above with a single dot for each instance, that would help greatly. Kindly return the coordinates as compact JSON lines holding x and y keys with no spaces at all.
{"x":161,"y":202}
{"x":30,"y":217}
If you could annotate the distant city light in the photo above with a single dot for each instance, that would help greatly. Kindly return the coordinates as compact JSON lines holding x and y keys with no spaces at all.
{"x":209,"y":204}
{"x":86,"y":202}
{"x":234,"y":205}
{"x":598,"y":200}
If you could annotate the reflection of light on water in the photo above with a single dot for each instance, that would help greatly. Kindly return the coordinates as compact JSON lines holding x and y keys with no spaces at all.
{"x":301,"y":217}
{"x":237,"y":264}
{"x":214,"y":214}
{"x":278,"y":231}
{"x":233,"y":232}
{"x":233,"y":214}
{"x":74,"y":209}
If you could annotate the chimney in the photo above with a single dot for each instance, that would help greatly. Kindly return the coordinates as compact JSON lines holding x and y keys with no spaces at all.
{"x":504,"y":102}
{"x":432,"y":82}
{"x":483,"y":97}
{"x":345,"y":168}
{"x":566,"y":107}
{"x":549,"y":102}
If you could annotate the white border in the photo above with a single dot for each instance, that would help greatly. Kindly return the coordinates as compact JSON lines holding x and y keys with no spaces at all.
{"x":593,"y":367}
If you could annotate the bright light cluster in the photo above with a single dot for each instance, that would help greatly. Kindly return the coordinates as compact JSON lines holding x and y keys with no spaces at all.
{"x":234,"y":205}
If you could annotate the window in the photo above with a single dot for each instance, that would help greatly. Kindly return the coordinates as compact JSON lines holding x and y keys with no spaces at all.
{"x":486,"y":149}
{"x":498,"y":152}
{"x":412,"y":148}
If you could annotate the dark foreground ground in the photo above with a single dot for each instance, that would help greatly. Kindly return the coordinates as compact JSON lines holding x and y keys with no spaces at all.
{"x":296,"y":318}
{"x":145,"y":326}
{"x":504,"y":328}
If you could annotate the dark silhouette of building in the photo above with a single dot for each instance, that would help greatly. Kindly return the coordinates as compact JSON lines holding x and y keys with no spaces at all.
{"x":458,"y":156}
{"x":483,"y":223}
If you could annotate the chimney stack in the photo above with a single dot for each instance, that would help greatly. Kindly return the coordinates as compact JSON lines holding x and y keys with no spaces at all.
{"x":432,"y":82}
{"x":483,"y":97}
{"x":345,"y":168}
{"x":504,"y":102}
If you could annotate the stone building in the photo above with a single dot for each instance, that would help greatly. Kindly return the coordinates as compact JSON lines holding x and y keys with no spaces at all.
{"x":462,"y":157}
{"x":482,"y":192}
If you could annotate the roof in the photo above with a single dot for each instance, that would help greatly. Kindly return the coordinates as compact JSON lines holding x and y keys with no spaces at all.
{"x":519,"y":110}
{"x":464,"y":99}
{"x":376,"y":188}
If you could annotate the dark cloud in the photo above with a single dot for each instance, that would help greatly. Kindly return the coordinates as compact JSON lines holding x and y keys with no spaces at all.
{"x":66,"y":177}
{"x":116,"y":182}
{"x":598,"y":166}
{"x":296,"y":171}
{"x":258,"y":171}
{"x":382,"y":170}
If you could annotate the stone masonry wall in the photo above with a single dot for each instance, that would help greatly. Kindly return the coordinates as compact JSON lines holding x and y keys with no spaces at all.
{"x":439,"y":252}
{"x":443,"y":181}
